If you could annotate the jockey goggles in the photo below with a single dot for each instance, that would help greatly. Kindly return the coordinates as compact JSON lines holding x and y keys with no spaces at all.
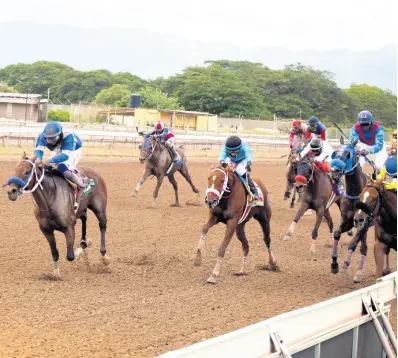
{"x":234,"y":152}
{"x":52,"y":139}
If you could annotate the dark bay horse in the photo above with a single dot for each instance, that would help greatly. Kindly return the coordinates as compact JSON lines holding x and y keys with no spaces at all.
{"x":346,"y":162}
{"x":315,"y":187}
{"x":290,"y":175}
{"x":53,"y":200}
{"x":159,"y":163}
{"x":226,"y":198}
{"x":378,"y":206}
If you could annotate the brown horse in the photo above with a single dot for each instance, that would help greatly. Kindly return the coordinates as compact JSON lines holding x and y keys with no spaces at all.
{"x":378,"y":207}
{"x":159,"y":163}
{"x":53,"y":199}
{"x":315,"y":188}
{"x":227,"y":199}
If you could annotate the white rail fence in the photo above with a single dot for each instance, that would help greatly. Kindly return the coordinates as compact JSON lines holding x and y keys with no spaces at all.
{"x":346,"y":326}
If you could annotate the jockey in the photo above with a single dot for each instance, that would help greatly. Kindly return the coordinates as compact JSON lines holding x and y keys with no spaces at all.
{"x":167,"y":137}
{"x":371,"y":139}
{"x":389,"y":173}
{"x":240,"y":155}
{"x":316,"y":129}
{"x":68,"y":150}
{"x":297,"y":134}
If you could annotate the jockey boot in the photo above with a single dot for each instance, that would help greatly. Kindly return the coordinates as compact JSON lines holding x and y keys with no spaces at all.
{"x":252,"y":187}
{"x":176,"y":157}
{"x":84,"y":184}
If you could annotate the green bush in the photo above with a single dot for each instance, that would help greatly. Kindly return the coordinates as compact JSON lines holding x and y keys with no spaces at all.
{"x":58,"y":115}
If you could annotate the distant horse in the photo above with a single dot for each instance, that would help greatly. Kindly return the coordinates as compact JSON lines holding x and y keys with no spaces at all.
{"x":346,"y":158}
{"x":316,"y":191}
{"x":159,"y":163}
{"x":228,"y":201}
{"x":290,"y":175}
{"x":378,"y":206}
{"x":54,"y":198}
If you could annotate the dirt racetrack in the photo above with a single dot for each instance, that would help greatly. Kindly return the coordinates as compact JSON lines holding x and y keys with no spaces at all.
{"x":152,"y":299}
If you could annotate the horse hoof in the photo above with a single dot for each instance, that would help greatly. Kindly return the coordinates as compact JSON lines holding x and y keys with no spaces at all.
{"x":358,"y":278}
{"x":212,"y":279}
{"x":196,"y":191}
{"x":334,"y":268}
{"x":349,"y":233}
{"x":89,"y":242}
{"x":240,"y":273}
{"x":287,"y":238}
{"x":176,"y":205}
{"x":291,"y":205}
{"x":106,"y":261}
{"x":197,"y":261}
{"x":134,"y":194}
{"x":270,"y":267}
{"x":386,"y":272}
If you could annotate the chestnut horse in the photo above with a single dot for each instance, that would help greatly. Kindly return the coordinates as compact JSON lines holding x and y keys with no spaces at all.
{"x":378,"y":206}
{"x":290,"y":175}
{"x":53,"y":200}
{"x":227,"y":199}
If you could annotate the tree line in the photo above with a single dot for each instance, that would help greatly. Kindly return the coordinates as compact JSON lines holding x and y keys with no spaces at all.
{"x":223,"y":87}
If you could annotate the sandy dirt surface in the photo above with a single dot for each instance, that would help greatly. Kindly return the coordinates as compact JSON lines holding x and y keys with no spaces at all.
{"x":152,"y":299}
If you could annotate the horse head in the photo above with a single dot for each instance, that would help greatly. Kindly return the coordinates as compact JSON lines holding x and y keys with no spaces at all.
{"x":344,"y":160}
{"x":304,"y":172}
{"x":369,"y":204}
{"x":217,"y":184}
{"x":22,"y":177}
{"x":146,"y":149}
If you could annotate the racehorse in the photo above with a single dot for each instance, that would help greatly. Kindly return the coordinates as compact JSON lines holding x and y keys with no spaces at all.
{"x":345,"y":162}
{"x":316,"y":191}
{"x":229,"y":203}
{"x":290,"y":175}
{"x":159,"y":163}
{"x":54,"y":198}
{"x":378,"y":206}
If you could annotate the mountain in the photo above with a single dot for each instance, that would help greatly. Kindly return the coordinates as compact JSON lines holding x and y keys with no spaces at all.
{"x":149,"y":54}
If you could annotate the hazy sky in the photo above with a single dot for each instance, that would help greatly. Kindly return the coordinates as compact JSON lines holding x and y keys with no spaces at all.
{"x":296,"y":24}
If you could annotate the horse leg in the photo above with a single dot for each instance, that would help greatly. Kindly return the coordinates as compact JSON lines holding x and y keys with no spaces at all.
{"x":379,"y":252}
{"x":173,"y":182}
{"x":344,"y":226}
{"x":84,"y":243}
{"x":156,"y":191}
{"x":289,"y":186}
{"x":231,"y":226}
{"x":206,"y":227}
{"x":49,"y":235}
{"x":364,"y":252}
{"x":184,"y":172}
{"x":70,"y":241}
{"x":293,"y":198}
{"x":142,"y":180}
{"x":319,"y":216}
{"x":302,"y":209}
{"x":102,"y":221}
{"x":329,"y":220}
{"x":387,"y":270}
{"x":264,"y":221}
{"x":240,"y":233}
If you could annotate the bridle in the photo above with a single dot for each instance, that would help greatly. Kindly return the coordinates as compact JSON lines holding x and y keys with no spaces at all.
{"x":370,"y":211}
{"x":213,"y":190}
{"x":24,"y":184}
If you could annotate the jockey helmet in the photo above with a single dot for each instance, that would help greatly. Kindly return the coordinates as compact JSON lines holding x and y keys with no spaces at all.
{"x":391,"y":166}
{"x":365,"y":118}
{"x":233,"y":144}
{"x":159,"y":127}
{"x":312,"y":123}
{"x":296,"y":123}
{"x":316,"y":146}
{"x":53,"y":133}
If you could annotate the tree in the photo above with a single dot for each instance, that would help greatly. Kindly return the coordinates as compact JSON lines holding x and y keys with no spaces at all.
{"x":4,"y":87}
{"x":117,"y":95}
{"x":382,"y":104}
{"x":154,"y":98}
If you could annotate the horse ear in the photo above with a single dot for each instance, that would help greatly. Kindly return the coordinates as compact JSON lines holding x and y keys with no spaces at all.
{"x":34,"y":158}
{"x":354,"y":143}
{"x":341,"y":140}
{"x":24,"y":156}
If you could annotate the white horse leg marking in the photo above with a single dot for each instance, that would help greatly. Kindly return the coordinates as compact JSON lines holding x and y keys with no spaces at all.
{"x":290,"y":231}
